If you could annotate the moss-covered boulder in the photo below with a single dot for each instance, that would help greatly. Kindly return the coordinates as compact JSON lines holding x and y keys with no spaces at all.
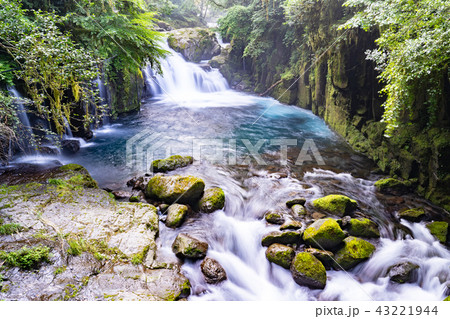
{"x":439,"y":230}
{"x":195,"y":44}
{"x":393,"y":186}
{"x":280,"y":254}
{"x":284,"y":237}
{"x":176,"y":213}
{"x":213,"y":199}
{"x":291,"y":224}
{"x":403,"y":272}
{"x":274,"y":218}
{"x":213,"y":271}
{"x":363,"y":227}
{"x":413,"y":214}
{"x":171,"y":163}
{"x":186,"y":246}
{"x":325,"y":256}
{"x":182,"y":189}
{"x":447,"y":298}
{"x":296,"y":201}
{"x":307,"y":270}
{"x":324,"y":234}
{"x":354,"y":251}
{"x":336,"y":204}
{"x":298,"y":210}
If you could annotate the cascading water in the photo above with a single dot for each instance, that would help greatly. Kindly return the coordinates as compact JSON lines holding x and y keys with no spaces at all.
{"x":104,"y":96}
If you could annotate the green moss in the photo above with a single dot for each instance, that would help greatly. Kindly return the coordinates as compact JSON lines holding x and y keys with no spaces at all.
{"x":308,"y":270}
{"x":98,"y":248}
{"x":285,"y":238}
{"x":183,"y":189}
{"x":59,"y":270}
{"x":324,"y":234}
{"x":176,"y":214}
{"x":336,"y":204}
{"x":447,"y":298}
{"x":138,"y":258}
{"x":363,"y":227}
{"x":439,"y":230}
{"x":280,"y":254}
{"x":355,"y":250}
{"x":8,"y":229}
{"x":72,"y":167}
{"x":213,"y":199}
{"x":171,"y":163}
{"x":274,"y":218}
{"x":26,"y":258}
{"x":413,"y":214}
{"x":391,"y":184}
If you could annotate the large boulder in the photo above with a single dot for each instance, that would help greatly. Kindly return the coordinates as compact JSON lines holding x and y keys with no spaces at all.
{"x":307,"y":270}
{"x":354,"y":251}
{"x":324,"y":234}
{"x":439,"y":230}
{"x":280,"y":254}
{"x":213,"y":199}
{"x":195,"y":44}
{"x":171,"y":163}
{"x":213,"y":271}
{"x":363,"y":227}
{"x":285,"y":238}
{"x":336,"y":204}
{"x":403,"y":272}
{"x":393,"y":186}
{"x":182,"y":189}
{"x":413,"y":214}
{"x":186,"y":246}
{"x":176,"y":213}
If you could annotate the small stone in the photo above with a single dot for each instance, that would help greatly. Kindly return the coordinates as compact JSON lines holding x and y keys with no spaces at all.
{"x":274,"y":218}
{"x":213,"y":271}
{"x":324,"y":234}
{"x":403,"y":272}
{"x":176,"y":214}
{"x":296,"y":201}
{"x":280,"y":254}
{"x":336,"y":204}
{"x":186,"y":246}
{"x":307,"y":270}
{"x":285,"y":238}
{"x":439,"y":230}
{"x":291,"y":224}
{"x":298,"y":210}
{"x":412,"y":215}
{"x":355,"y":250}
{"x":121,"y":194}
{"x":213,"y":199}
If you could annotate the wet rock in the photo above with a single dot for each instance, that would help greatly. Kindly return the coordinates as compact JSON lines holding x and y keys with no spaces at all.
{"x":439,"y":230}
{"x":176,"y":213}
{"x":412,"y":215}
{"x":403,"y":272}
{"x":121,"y":194}
{"x":317,"y":215}
{"x":296,"y":201}
{"x":48,"y":150}
{"x":213,"y":199}
{"x":280,"y":254}
{"x":171,"y":163}
{"x":163,"y":208}
{"x":291,"y":224}
{"x":195,"y":44}
{"x":393,"y":186}
{"x":325,"y":256}
{"x":298,"y":210}
{"x":323,"y":234}
{"x":285,"y":238}
{"x":186,"y":246}
{"x":274,"y":218}
{"x":354,"y":251}
{"x":308,"y":271}
{"x":70,"y":146}
{"x":213,"y":271}
{"x":447,"y":298}
{"x":344,"y":221}
{"x":363,"y":227}
{"x":336,"y":204}
{"x":182,"y":189}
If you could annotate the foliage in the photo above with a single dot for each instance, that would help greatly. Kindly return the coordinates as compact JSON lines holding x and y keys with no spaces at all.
{"x":235,"y":25}
{"x":26,"y":258}
{"x":413,"y":52}
{"x":8,"y":124}
{"x":9,"y":229}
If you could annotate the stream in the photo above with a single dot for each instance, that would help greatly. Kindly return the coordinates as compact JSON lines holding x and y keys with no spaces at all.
{"x":193,"y":111}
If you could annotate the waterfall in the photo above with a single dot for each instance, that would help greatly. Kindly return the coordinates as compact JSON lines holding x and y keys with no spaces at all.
{"x":181,"y":79}
{"x":104,"y":96}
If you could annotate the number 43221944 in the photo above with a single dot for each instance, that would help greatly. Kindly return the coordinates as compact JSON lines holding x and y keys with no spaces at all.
{"x":406,"y":310}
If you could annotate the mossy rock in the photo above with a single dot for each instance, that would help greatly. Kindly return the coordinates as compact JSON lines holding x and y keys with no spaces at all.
{"x":176,"y":213}
{"x":354,"y":251}
{"x":325,"y":256}
{"x":274,"y":218}
{"x":403,"y":272}
{"x":280,"y":254}
{"x":298,"y":210}
{"x":213,"y":271}
{"x":182,"y":189}
{"x":439,"y":230}
{"x":195,"y":44}
{"x":291,"y":224}
{"x":296,"y":201}
{"x":447,"y":298}
{"x":336,"y":204}
{"x":186,"y":246}
{"x":171,"y":163}
{"x":363,"y":227}
{"x":308,"y":271}
{"x":413,"y":214}
{"x":213,"y":199}
{"x":393,"y":186}
{"x":324,"y":234}
{"x":285,"y":238}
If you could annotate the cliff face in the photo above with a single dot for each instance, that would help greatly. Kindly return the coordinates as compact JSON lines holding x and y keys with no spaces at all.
{"x":341,"y":86}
